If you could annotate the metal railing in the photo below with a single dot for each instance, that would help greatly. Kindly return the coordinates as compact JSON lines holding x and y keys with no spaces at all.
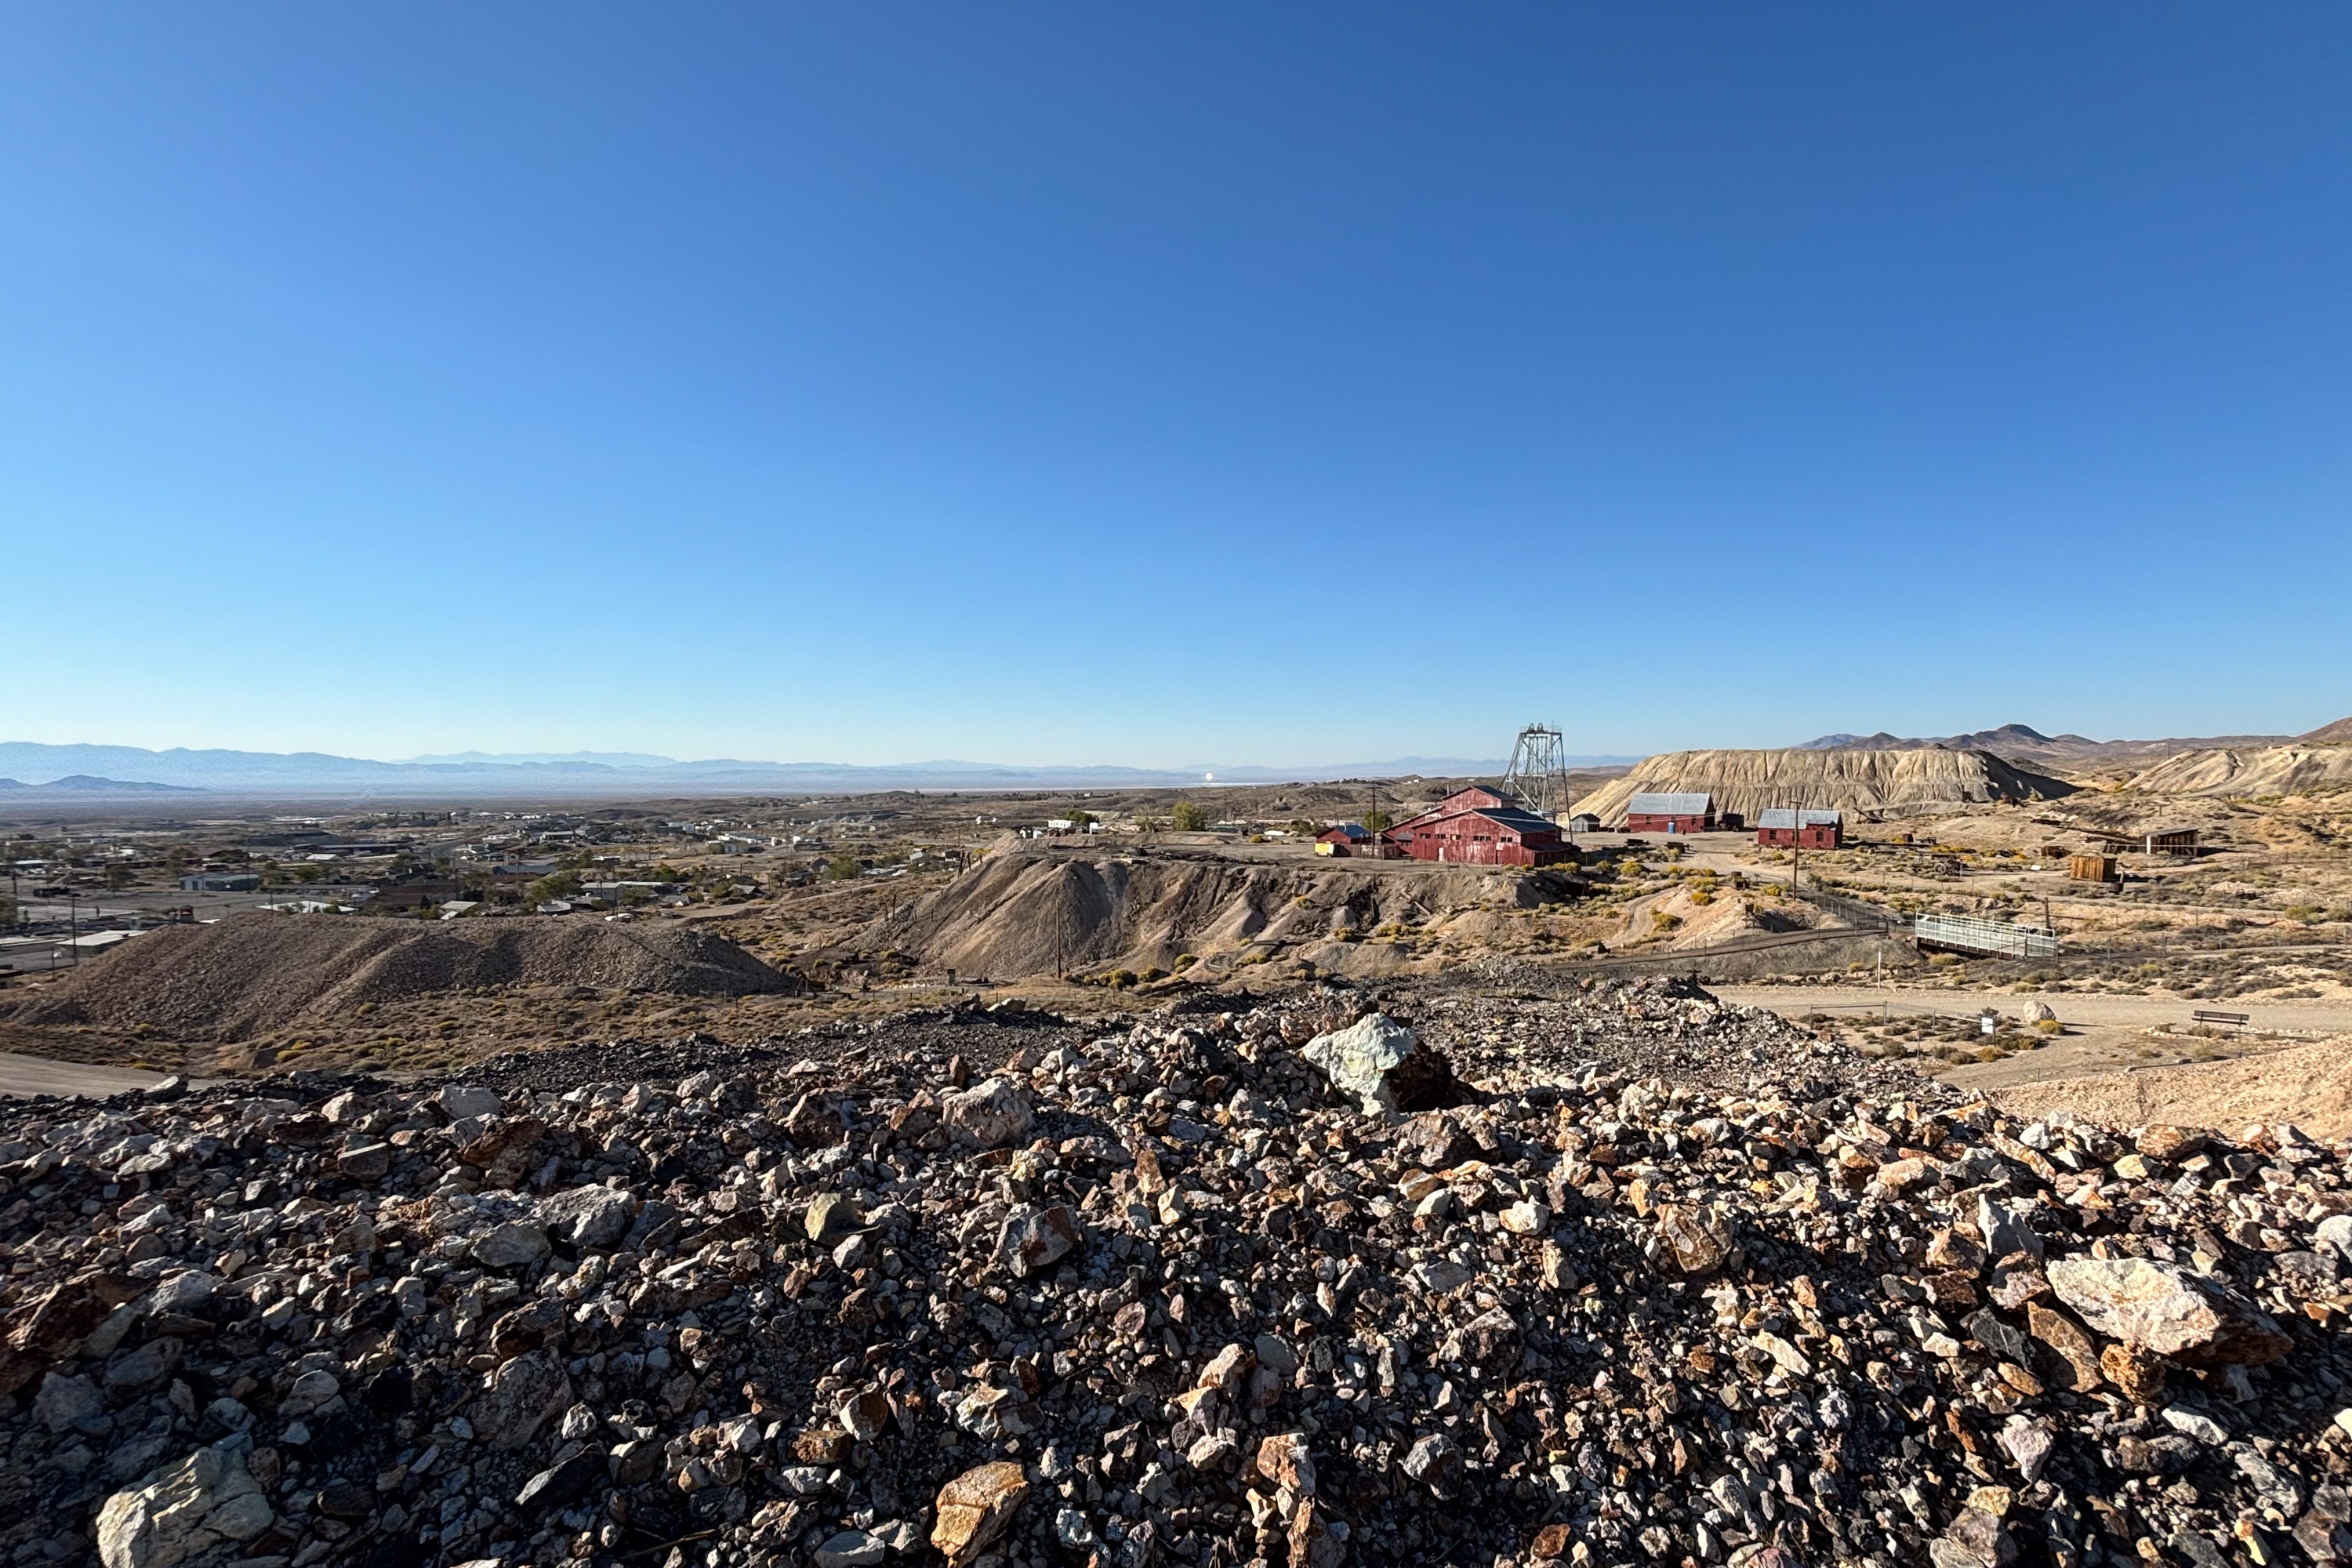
{"x":1853,"y":911}
{"x":1965,"y":934}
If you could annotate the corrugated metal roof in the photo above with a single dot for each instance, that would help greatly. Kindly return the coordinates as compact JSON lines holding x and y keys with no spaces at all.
{"x":1509,"y":816}
{"x":1668,"y":805}
{"x":1788,"y":816}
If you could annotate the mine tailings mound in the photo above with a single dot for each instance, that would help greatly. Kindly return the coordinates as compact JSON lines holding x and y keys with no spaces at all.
{"x":250,"y":973}
{"x":2265,"y":770}
{"x":1018,"y":914}
{"x":1746,"y":782}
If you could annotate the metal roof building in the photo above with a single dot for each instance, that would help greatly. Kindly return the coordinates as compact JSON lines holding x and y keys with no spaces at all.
{"x":1674,"y":804}
{"x":1804,"y":828}
{"x":1670,"y":812}
{"x":1482,"y":835}
{"x":1790,"y":817}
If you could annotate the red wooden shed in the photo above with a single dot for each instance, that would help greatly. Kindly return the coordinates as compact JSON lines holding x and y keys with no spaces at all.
{"x":1670,"y":812}
{"x":1789,"y":826}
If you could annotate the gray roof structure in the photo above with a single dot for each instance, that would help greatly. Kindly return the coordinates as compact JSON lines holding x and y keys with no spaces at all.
{"x":1669,"y":804}
{"x":1788,"y":816}
{"x":1513,"y":817}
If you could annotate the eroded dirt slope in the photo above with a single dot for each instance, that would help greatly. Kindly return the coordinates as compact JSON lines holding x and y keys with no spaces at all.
{"x":253,"y":973}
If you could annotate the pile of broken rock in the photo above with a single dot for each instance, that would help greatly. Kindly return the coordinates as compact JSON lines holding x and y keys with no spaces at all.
{"x":1197,"y":1291}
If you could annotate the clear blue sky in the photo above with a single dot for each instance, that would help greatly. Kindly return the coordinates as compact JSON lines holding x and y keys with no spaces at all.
{"x":1161,"y":385}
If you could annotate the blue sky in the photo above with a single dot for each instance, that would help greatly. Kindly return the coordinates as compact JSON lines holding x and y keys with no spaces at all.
{"x":1169,"y":384}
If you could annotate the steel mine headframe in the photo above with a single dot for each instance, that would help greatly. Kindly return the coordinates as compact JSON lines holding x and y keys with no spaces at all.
{"x":1538,"y":773}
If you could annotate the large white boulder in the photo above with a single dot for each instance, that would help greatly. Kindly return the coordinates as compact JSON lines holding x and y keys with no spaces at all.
{"x":197,"y":1512}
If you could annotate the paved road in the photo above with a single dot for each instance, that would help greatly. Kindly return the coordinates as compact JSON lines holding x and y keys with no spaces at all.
{"x":22,"y":1074}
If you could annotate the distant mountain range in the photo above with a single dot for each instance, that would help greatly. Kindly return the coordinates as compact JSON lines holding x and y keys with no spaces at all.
{"x":86,"y":783}
{"x":609,"y":758}
{"x":320,"y":775}
{"x":2023,"y":743}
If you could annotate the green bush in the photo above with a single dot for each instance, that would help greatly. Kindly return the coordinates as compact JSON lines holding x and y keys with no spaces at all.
{"x":1187,"y":816}
{"x":562,"y":884}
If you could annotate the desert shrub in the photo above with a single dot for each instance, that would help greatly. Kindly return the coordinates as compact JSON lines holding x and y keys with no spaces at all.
{"x":562,"y":884}
{"x":1188,"y":816}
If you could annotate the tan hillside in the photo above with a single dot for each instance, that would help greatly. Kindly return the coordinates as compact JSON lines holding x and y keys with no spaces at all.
{"x":1676,"y":921}
{"x":1747,"y":781}
{"x":2310,"y":1086}
{"x":1040,"y":913}
{"x":2337,"y":734}
{"x":250,"y":973}
{"x":2271,"y":770}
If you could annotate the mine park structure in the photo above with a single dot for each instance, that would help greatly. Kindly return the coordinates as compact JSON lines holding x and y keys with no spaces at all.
{"x":1964,"y":933}
{"x":1538,"y":777}
{"x":1519,"y":822}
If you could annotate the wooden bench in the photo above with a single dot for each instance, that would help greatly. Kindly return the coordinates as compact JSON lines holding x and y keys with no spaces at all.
{"x":2206,"y":1015}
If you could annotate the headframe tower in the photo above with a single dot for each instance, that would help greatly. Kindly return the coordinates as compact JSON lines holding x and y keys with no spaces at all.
{"x":1538,"y":775}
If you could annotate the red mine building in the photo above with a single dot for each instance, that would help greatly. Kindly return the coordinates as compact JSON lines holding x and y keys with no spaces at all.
{"x":1792,"y":828}
{"x":1670,"y":812}
{"x":1478,"y":827}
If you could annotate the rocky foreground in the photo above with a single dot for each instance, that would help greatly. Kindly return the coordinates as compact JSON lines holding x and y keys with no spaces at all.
{"x":1209,"y":1289}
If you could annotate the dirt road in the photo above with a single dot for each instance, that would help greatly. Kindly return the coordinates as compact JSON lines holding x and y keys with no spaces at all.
{"x":22,"y":1074}
{"x":2104,"y":1034}
{"x":2073,"y":1009}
